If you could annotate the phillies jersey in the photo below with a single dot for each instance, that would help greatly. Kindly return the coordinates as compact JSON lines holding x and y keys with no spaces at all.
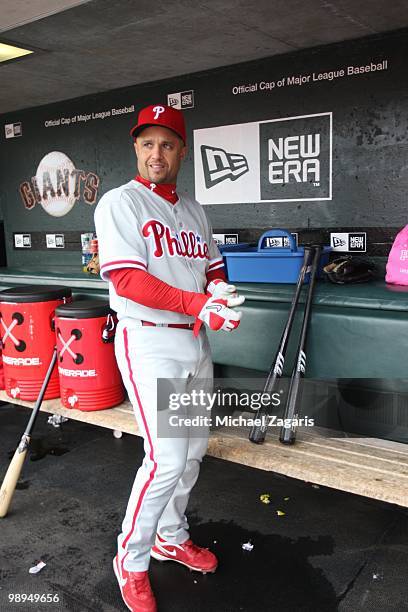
{"x":137,"y":228}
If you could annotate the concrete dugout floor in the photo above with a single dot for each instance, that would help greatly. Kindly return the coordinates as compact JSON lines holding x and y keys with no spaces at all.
{"x":331,"y":550}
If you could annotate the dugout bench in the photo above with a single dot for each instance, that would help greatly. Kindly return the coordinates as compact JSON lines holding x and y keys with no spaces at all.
{"x":357,"y":368}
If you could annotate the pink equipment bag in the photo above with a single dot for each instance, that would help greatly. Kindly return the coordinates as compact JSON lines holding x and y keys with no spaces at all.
{"x":397,"y":265}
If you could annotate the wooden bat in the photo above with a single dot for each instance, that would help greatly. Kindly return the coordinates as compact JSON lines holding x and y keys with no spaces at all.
{"x":13,"y":473}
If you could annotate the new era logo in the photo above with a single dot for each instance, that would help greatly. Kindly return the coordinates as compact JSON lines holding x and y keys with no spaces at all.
{"x":181,"y":99}
{"x":349,"y":242}
{"x":218,"y":165}
{"x":13,"y":130}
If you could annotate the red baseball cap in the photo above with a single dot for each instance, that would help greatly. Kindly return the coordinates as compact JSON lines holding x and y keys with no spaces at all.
{"x":164,"y":116}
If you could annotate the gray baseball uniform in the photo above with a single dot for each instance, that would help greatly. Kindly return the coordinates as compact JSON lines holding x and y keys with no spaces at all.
{"x":138,"y":229}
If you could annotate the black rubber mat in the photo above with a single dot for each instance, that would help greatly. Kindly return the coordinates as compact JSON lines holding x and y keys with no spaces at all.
{"x":313,"y":548}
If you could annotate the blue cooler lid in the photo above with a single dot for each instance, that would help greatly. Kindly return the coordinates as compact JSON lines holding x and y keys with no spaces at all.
{"x":35,"y":293}
{"x":84,"y":309}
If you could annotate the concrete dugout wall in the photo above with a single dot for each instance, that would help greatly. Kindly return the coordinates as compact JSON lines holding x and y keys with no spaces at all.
{"x":354,"y":94}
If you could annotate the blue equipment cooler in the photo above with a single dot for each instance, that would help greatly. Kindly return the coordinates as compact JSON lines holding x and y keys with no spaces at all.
{"x":268,"y":263}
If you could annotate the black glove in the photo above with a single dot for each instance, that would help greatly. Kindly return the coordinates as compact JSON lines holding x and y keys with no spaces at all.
{"x":350,"y":270}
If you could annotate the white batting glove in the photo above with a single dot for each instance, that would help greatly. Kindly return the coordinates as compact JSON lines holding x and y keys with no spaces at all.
{"x":220,"y":289}
{"x":217,"y":316}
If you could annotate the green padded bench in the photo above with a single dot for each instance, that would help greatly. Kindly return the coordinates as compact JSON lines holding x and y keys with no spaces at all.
{"x":356,"y":331}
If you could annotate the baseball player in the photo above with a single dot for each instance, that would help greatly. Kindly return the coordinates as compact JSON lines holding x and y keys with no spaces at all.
{"x":166,"y":279}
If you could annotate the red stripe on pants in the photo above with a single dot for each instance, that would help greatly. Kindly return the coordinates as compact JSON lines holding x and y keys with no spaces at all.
{"x":152,"y":473}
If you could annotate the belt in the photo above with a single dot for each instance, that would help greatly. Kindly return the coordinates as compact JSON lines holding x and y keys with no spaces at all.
{"x":176,"y":325}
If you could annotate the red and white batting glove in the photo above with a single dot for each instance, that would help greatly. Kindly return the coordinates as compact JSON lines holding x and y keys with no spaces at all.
{"x":217,"y":315}
{"x":220,"y":289}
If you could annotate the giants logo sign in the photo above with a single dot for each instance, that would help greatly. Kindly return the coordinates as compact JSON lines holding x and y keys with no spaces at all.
{"x":279,"y":160}
{"x":57,"y":185}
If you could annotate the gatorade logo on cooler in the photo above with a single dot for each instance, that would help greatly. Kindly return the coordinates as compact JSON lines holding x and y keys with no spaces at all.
{"x":77,"y":373}
{"x":22,"y":361}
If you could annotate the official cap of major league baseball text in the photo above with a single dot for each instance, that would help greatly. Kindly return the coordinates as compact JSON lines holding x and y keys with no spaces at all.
{"x":164,"y":116}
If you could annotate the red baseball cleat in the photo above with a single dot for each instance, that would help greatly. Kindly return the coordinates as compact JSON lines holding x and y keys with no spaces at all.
{"x":135,"y":588}
{"x":188,"y":554}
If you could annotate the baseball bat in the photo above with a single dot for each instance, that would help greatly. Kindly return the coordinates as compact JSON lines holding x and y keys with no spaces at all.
{"x":287,"y":434}
{"x":13,"y":473}
{"x":258,"y":431}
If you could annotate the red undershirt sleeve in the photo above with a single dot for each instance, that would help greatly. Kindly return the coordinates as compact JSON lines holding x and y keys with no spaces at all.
{"x":150,"y":291}
{"x":215,"y":275}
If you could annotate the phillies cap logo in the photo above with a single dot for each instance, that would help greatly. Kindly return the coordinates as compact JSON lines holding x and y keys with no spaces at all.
{"x":158,"y":110}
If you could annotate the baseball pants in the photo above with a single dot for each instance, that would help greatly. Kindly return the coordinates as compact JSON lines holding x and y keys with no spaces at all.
{"x":171,"y":464}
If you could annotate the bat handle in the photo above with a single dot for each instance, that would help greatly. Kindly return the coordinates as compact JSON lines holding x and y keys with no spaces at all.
{"x":13,"y":474}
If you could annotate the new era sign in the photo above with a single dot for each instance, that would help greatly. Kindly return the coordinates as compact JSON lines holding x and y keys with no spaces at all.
{"x":229,"y":239}
{"x":13,"y":130}
{"x":181,"y":99}
{"x":279,"y":160}
{"x":349,"y":242}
